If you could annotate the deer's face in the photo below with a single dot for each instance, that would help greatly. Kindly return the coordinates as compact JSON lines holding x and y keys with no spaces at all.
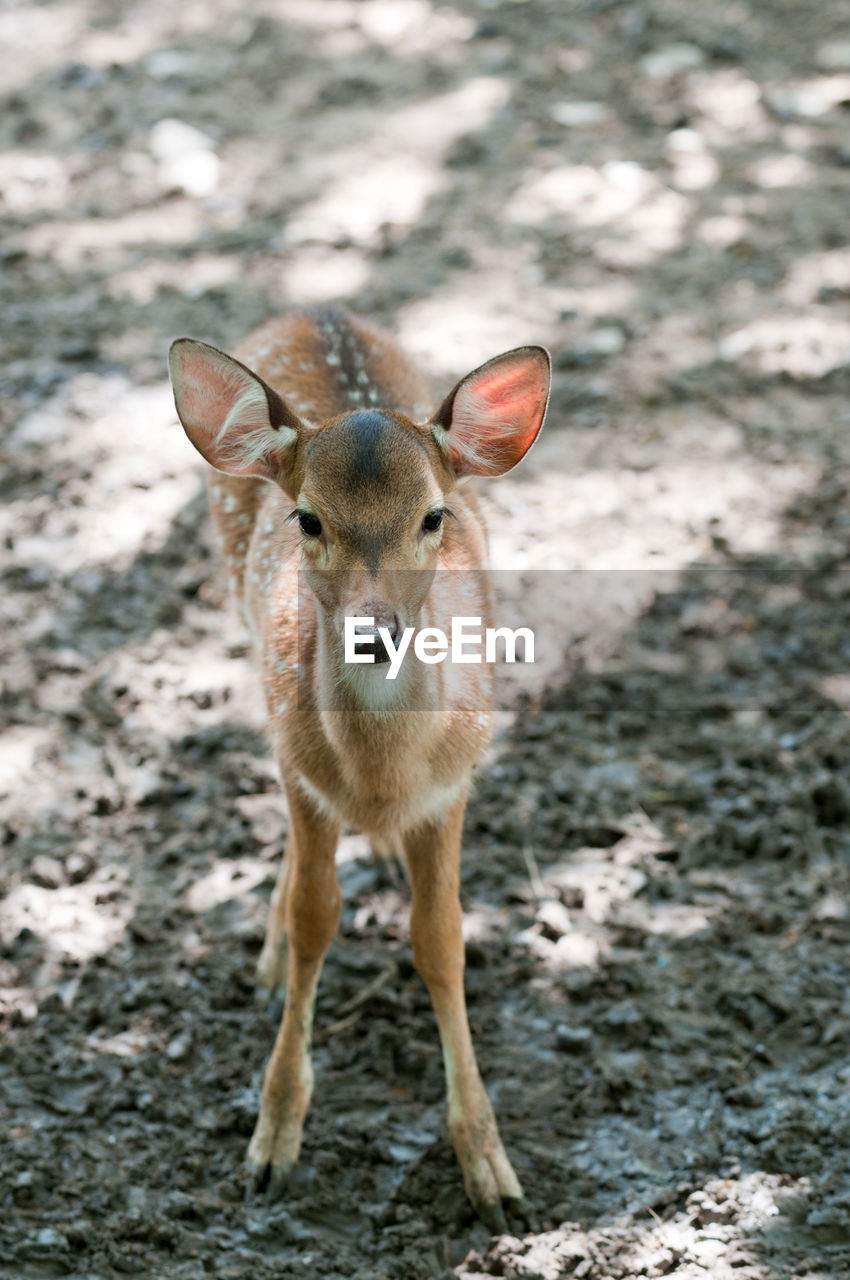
{"x":369,"y":487}
{"x":371,"y":509}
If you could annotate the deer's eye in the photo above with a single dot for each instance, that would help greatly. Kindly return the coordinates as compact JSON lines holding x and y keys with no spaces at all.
{"x":310,"y":526}
{"x":432,"y":522}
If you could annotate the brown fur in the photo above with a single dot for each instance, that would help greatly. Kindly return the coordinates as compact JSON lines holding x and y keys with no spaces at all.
{"x":398,"y":770}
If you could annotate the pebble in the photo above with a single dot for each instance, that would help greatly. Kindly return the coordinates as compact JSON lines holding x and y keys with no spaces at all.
{"x":178,"y":1047}
{"x":572,"y":1039}
{"x":170,"y":138}
{"x":834,"y":56}
{"x":599,"y":344}
{"x":47,"y":872}
{"x":145,"y":784}
{"x":708,"y":1252}
{"x":670,"y":60}
{"x":45,"y":1244}
{"x":554,"y":917}
{"x":186,"y":158}
{"x":164,"y":64}
{"x":578,"y":115}
{"x":79,"y":866}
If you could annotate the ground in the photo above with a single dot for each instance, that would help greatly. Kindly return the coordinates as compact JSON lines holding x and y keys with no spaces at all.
{"x":656,"y":856}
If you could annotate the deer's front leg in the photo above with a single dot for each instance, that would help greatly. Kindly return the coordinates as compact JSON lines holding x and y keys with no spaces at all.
{"x":271,"y":966}
{"x":433,"y":855}
{"x":311,"y":910}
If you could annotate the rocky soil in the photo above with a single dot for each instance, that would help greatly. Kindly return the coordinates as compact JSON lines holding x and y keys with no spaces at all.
{"x":657,"y":856}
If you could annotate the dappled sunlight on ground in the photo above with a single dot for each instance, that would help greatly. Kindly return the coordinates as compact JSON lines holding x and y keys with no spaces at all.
{"x":145,"y":473}
{"x":73,"y":921}
{"x":226,"y":881}
{"x":655,"y":497}
{"x":804,"y":346}
{"x":647,"y":217}
{"x":390,"y":177}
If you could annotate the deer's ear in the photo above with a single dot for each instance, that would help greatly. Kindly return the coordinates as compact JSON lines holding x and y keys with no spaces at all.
{"x":240,"y":425}
{"x":493,"y":416}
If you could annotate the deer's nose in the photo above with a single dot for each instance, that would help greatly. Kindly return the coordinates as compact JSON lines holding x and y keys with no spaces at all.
{"x":370,"y":640}
{"x":380,"y":649}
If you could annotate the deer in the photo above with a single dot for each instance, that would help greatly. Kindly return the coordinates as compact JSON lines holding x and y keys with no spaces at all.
{"x":338,"y":491}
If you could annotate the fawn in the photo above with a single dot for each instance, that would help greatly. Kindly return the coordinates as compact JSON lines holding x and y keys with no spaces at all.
{"x":331,"y":468}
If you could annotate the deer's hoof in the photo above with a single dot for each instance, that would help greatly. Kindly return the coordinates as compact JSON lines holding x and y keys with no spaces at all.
{"x":511,"y":1213}
{"x":268,"y":1179}
{"x":273,"y":1152}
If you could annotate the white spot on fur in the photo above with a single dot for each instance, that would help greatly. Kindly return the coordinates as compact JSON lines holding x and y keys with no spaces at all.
{"x":437,"y":800}
{"x":322,"y":802}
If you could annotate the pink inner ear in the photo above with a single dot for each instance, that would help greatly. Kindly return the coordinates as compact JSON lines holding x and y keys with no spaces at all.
{"x":225,"y":411}
{"x":497,"y":413}
{"x":518,"y":385}
{"x":208,"y":391}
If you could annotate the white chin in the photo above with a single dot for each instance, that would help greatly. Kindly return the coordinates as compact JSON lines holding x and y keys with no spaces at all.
{"x":371,"y":685}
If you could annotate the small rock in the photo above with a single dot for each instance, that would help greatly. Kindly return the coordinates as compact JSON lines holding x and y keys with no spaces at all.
{"x":746,"y":1095}
{"x":708,"y":1252}
{"x":834,"y":56}
{"x":832,"y":907}
{"x":625,"y":1013}
{"x":578,"y":115}
{"x":163,"y":64}
{"x":171,"y":138}
{"x":196,"y":174}
{"x":555,"y":919}
{"x":47,"y":872}
{"x":187,"y":160}
{"x":607,"y":340}
{"x":145,"y":785}
{"x":805,"y":101}
{"x":79,"y":866}
{"x":572,"y":1039}
{"x":670,"y":60}
{"x":597,"y":345}
{"x":50,"y":1238}
{"x":178,"y":1204}
{"x":178,"y":1047}
{"x":623,"y":775}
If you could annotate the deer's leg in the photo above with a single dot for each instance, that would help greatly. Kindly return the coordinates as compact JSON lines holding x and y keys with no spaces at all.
{"x":433,"y":855}
{"x":271,"y":966}
{"x":311,"y":910}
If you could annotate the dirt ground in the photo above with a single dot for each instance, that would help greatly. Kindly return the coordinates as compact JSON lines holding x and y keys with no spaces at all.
{"x":657,"y":855}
